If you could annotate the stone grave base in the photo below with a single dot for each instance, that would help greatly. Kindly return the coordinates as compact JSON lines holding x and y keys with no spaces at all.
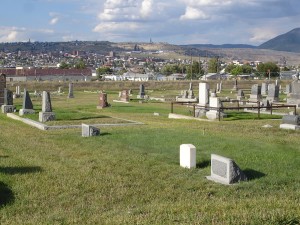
{"x":214,"y":115}
{"x":254,"y":98}
{"x":46,"y":116}
{"x":26,"y":111}
{"x":88,"y":131}
{"x":8,"y":108}
{"x":186,"y":99}
{"x":289,"y":126}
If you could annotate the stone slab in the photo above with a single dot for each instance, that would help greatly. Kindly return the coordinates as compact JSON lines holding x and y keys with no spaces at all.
{"x":225,"y":170}
{"x":26,"y":111}
{"x":289,"y":126}
{"x":46,"y":116}
{"x":8,"y":108}
{"x":88,"y":130}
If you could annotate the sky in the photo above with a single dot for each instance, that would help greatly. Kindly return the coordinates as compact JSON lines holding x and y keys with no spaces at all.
{"x":173,"y":21}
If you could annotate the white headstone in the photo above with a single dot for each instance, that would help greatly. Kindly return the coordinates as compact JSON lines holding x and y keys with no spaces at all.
{"x":188,"y":156}
{"x":203,"y":94}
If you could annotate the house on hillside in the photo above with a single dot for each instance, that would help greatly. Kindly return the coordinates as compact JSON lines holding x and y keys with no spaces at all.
{"x":289,"y":75}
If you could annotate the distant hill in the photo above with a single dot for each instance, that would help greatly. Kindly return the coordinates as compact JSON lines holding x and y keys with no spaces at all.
{"x":289,"y":42}
{"x":219,"y":46}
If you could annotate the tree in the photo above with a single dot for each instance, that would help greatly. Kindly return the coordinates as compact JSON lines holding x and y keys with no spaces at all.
{"x":213,"y":65}
{"x":80,"y":65}
{"x":64,"y":65}
{"x":268,"y":67}
{"x":237,"y":70}
{"x":195,"y":71}
{"x":171,"y":68}
{"x":103,"y":70}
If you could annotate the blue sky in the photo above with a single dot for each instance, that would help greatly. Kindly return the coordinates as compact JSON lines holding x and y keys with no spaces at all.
{"x":173,"y":21}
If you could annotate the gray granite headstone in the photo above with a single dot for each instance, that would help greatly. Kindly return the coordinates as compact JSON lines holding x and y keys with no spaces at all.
{"x":288,"y":89}
{"x":8,"y":97}
{"x":46,"y":102}
{"x":71,"y":93}
{"x":225,"y":170}
{"x":88,"y":130}
{"x":255,"y":93}
{"x":273,"y":93}
{"x":264,"y":89}
{"x":291,"y":119}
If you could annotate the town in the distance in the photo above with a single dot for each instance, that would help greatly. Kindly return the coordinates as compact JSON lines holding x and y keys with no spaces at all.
{"x":101,"y":60}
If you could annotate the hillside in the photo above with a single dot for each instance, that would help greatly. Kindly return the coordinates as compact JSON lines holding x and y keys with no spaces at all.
{"x":289,"y":42}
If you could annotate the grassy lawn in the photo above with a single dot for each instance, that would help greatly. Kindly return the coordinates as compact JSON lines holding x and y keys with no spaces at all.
{"x":131,"y":174}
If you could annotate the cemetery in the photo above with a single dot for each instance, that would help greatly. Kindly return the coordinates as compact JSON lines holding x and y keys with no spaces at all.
{"x":83,"y":156}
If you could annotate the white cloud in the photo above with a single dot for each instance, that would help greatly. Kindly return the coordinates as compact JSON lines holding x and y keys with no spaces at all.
{"x":208,"y":2}
{"x":260,"y":35}
{"x":194,"y":14}
{"x":54,"y":21}
{"x":146,"y":8}
{"x":108,"y":27}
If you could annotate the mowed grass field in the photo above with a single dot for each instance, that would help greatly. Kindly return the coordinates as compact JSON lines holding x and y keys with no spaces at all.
{"x":131,"y":174}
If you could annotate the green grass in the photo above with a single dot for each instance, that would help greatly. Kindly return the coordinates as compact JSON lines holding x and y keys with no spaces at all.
{"x":131,"y":174}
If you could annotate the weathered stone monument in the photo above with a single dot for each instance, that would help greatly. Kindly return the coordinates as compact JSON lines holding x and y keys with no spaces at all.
{"x":225,"y":170}
{"x":203,"y":94}
{"x":288,"y":89}
{"x":141,"y":92}
{"x":235,"y":85}
{"x":187,"y":95}
{"x":8,"y":106}
{"x":102,"y":101}
{"x":18,"y":92}
{"x":188,"y":156}
{"x":255,"y":93}
{"x":264,"y":88}
{"x":124,"y":96}
{"x":27,"y":107}
{"x":273,"y":93}
{"x":71,"y":92}
{"x":46,"y":114}
{"x":215,"y":110}
{"x":294,"y":97}
{"x":88,"y":130}
{"x":2,"y":87}
{"x":290,"y":122}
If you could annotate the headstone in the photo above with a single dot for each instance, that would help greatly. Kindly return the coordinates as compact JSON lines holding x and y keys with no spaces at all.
{"x":266,"y":103}
{"x":288,"y":89}
{"x":225,"y":170}
{"x":264,"y":89}
{"x":294,"y":97}
{"x":235,"y":85}
{"x":2,"y":87}
{"x":71,"y":93}
{"x":218,"y":88}
{"x":59,"y":90}
{"x":88,"y":130}
{"x":273,"y":93}
{"x":18,"y":92}
{"x":214,"y":112}
{"x":191,"y":86}
{"x":290,"y":122}
{"x":124,"y":96}
{"x":188,"y":156}
{"x":187,"y":95}
{"x":46,"y":114}
{"x":102,"y":101}
{"x":27,"y":107}
{"x":203,"y":94}
{"x":240,"y":95}
{"x":8,"y":106}
{"x":255,"y":93}
{"x":141,"y":92}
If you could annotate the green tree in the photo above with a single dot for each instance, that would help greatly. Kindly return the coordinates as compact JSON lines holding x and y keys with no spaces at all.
{"x":64,"y":65}
{"x":103,"y":70}
{"x":213,"y":65}
{"x":80,"y":65}
{"x":229,"y":68}
{"x":195,"y":71}
{"x":237,"y":70}
{"x":264,"y":69}
{"x":171,"y":68}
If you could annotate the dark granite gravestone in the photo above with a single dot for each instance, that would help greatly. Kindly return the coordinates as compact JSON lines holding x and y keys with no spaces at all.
{"x":141,"y":92}
{"x":8,"y":106}
{"x":2,"y":87}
